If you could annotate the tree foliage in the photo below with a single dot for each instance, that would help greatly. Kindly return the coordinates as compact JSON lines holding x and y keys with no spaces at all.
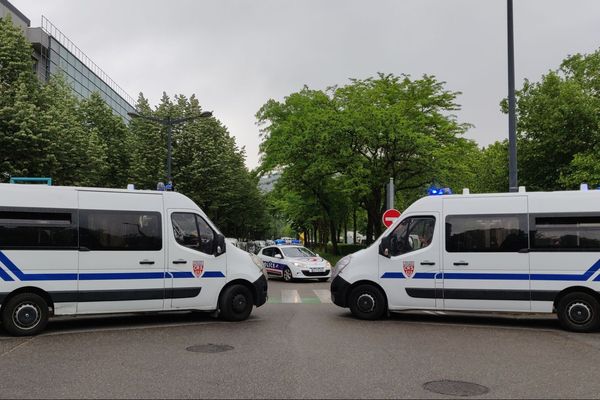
{"x":338,"y":148}
{"x":559,"y":124}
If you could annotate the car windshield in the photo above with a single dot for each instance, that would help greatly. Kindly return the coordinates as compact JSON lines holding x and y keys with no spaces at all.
{"x":295,"y":252}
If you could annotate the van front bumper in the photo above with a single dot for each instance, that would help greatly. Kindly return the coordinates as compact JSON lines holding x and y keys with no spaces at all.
{"x":260,"y":289}
{"x":339,"y":291}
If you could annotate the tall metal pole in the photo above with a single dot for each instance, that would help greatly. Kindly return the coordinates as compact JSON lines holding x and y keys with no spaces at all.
{"x":169,"y":149}
{"x":390,"y":194}
{"x":512,"y":121}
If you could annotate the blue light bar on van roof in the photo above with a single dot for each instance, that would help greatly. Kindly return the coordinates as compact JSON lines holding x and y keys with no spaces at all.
{"x":295,"y":241}
{"x":279,"y":241}
{"x":435,"y":191}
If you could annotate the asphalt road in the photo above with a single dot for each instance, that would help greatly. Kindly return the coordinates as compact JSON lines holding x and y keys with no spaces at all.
{"x":299,"y":346}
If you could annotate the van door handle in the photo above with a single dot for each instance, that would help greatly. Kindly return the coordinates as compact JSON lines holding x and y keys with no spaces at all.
{"x":461,"y":263}
{"x":427,"y":263}
{"x":146,"y":262}
{"x":179,"y":262}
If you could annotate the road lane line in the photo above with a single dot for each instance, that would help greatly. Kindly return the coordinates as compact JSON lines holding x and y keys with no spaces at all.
{"x":323,"y":295}
{"x":290,"y":296}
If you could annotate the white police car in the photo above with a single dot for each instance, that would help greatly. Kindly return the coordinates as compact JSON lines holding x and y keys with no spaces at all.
{"x":294,"y":262}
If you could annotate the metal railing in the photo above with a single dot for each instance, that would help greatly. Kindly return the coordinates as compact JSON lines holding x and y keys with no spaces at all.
{"x":53,"y":31}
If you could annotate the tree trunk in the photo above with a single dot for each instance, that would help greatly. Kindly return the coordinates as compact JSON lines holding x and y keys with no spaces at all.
{"x":346,"y":231}
{"x":354,"y":226}
{"x":334,"y":237}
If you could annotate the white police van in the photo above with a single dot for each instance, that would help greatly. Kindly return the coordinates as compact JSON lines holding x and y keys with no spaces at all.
{"x":292,"y":262}
{"x":519,"y":252}
{"x":74,"y":251}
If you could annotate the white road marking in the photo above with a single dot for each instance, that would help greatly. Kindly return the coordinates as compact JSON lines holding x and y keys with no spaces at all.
{"x":290,"y":296}
{"x":323,"y":295}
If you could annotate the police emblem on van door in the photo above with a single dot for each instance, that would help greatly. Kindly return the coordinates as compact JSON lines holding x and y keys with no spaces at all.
{"x":409,"y":268}
{"x":198,"y":267}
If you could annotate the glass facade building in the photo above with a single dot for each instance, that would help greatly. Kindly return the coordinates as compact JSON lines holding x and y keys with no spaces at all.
{"x":82,"y":74}
{"x":54,"y":53}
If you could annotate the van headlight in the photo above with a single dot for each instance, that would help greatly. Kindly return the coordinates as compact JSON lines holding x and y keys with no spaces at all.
{"x":340,"y":265}
{"x":257,"y":261}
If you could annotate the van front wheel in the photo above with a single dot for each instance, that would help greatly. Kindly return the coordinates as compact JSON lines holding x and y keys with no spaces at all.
{"x":236,"y":303}
{"x":579,"y":312}
{"x":367,"y":302}
{"x":26,"y":314}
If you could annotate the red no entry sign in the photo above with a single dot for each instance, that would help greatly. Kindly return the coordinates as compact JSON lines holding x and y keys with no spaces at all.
{"x":390,"y":216}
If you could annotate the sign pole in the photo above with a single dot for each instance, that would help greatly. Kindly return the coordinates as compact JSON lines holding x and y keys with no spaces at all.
{"x":390,"y":194}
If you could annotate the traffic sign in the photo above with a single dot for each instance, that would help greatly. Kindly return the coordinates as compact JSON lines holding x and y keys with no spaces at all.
{"x":390,"y":216}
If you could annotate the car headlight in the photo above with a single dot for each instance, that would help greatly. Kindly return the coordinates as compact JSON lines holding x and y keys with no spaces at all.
{"x":257,"y":261}
{"x":298,"y":264}
{"x":340,"y":265}
{"x":327,"y":264}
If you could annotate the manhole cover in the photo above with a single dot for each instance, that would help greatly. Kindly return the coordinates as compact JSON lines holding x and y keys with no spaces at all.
{"x":209,"y":348}
{"x":456,"y":388}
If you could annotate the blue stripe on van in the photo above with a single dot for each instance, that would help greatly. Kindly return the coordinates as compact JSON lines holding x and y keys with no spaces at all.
{"x":499,"y":276}
{"x":5,"y":276}
{"x":92,"y":276}
{"x":213,"y":274}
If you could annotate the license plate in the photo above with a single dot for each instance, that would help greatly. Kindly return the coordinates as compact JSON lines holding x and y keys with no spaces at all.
{"x":318,"y":270}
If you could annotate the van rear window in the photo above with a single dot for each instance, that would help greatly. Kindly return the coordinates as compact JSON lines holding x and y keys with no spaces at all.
{"x":120,"y":230}
{"x":33,"y":229}
{"x":486,"y":233}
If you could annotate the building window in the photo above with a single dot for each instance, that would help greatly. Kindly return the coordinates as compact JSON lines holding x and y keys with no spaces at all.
{"x":120,"y":230}
{"x":486,"y":233}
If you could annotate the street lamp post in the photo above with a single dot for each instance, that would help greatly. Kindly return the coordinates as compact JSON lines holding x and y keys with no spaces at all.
{"x":512,"y":121}
{"x":169,"y":123}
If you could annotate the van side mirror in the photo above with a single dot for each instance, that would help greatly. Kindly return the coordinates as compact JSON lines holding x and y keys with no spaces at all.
{"x":219,"y":245}
{"x":384,"y":247}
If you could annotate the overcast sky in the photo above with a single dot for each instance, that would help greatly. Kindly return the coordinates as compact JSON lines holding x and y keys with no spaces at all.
{"x":235,"y":55}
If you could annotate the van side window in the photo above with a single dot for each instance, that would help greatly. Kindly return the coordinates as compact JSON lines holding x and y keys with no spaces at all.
{"x":576,"y":233}
{"x":36,"y":229}
{"x":412,"y":234}
{"x":120,"y":230}
{"x":486,"y":233}
{"x":191,"y":230}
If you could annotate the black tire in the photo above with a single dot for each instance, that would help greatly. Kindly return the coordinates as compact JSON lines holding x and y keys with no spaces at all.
{"x":26,"y":314}
{"x":579,"y":312}
{"x":236,"y":303}
{"x":367,"y":302}
{"x":287,"y":275}
{"x":323,"y":279}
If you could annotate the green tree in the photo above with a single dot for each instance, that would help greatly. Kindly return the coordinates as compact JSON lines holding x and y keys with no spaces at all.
{"x":78,"y":154}
{"x":346,"y":142}
{"x":148,"y":146}
{"x":100,"y":122}
{"x":558,"y":119}
{"x":23,"y":145}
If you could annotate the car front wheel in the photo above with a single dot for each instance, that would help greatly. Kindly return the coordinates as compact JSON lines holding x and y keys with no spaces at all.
{"x":367,"y":302}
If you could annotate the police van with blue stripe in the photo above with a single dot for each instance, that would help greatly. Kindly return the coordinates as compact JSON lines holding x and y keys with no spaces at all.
{"x":75,"y":251}
{"x":521,"y":252}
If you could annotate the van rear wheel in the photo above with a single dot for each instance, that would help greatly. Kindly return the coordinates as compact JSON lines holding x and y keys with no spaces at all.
{"x":236,"y":303}
{"x":26,"y":314}
{"x":367,"y":302}
{"x":579,"y":312}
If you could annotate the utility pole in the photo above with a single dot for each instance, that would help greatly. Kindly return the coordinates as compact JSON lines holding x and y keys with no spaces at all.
{"x":513,"y":185}
{"x":390,"y":195}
